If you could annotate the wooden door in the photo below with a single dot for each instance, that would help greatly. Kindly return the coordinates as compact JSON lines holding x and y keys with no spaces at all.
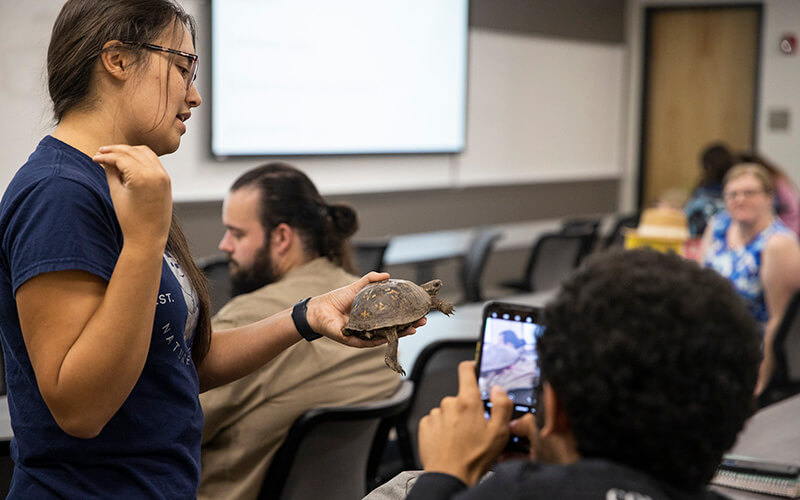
{"x":701,"y":68}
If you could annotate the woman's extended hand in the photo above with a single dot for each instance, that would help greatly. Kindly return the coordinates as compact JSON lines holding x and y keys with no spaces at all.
{"x":141,"y":191}
{"x":328,"y":313}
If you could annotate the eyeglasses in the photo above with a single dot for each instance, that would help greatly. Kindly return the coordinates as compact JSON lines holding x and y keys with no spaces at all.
{"x":745,"y":193}
{"x":188,"y":74}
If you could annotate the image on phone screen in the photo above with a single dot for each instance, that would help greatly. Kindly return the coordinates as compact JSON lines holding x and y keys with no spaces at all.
{"x":508,"y":355}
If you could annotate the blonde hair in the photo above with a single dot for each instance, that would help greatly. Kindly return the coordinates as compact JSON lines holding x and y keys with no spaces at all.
{"x":754,"y":169}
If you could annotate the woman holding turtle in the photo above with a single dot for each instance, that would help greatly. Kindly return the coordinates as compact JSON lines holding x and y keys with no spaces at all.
{"x":103,"y":314}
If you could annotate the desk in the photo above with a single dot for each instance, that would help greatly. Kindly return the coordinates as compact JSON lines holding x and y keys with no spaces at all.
{"x":772,"y":434}
{"x":439,"y":245}
{"x":465,"y":323}
{"x":427,"y":247}
{"x":424,"y":250}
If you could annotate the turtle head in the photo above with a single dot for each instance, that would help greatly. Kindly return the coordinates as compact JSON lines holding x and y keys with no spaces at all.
{"x":432,"y":287}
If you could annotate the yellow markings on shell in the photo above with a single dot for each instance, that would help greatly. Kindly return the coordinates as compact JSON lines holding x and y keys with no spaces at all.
{"x":365,"y":314}
{"x":381,"y":306}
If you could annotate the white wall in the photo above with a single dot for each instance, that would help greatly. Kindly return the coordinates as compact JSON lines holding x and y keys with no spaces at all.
{"x":24,"y":34}
{"x":779,"y":84}
{"x":539,"y":109}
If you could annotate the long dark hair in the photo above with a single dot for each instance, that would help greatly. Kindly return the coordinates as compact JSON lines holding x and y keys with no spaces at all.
{"x":288,"y":196}
{"x":79,"y":34}
{"x":716,"y":160}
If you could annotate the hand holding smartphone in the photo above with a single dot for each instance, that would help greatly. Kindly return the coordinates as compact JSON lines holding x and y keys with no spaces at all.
{"x":507,"y":357}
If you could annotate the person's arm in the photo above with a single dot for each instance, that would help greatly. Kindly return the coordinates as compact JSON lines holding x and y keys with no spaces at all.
{"x":88,"y":339}
{"x":239,"y":351}
{"x":790,"y":204}
{"x":456,"y":439}
{"x":780,"y":275}
{"x":705,"y":241}
{"x":438,"y":486}
{"x":457,"y":444}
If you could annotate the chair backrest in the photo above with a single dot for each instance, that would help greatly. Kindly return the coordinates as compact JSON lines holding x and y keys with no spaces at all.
{"x":369,"y":254}
{"x":785,"y":379}
{"x":570,"y":226}
{"x":554,"y":256}
{"x":435,"y":376}
{"x":325,"y":454}
{"x":581,"y":226}
{"x":215,"y":267}
{"x":616,"y":238}
{"x":475,"y":261}
{"x":787,"y":343}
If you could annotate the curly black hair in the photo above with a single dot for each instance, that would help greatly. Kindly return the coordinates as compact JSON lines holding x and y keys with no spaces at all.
{"x":655,"y":361}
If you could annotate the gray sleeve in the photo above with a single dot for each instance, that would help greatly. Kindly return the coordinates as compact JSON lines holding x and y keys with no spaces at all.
{"x":396,"y":488}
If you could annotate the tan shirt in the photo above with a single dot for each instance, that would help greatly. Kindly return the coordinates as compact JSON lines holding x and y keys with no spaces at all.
{"x":247,"y":420}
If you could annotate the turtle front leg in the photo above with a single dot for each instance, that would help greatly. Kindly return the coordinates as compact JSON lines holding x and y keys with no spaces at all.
{"x":440,"y":305}
{"x":390,"y":358}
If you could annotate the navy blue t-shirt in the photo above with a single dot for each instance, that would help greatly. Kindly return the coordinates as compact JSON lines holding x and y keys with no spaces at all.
{"x":57,"y":214}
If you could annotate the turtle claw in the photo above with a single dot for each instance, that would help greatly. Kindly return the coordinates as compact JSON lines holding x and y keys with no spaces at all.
{"x":394,"y":365}
{"x":439,"y":304}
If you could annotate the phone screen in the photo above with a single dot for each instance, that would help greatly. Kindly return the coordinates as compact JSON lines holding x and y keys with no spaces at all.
{"x":508,"y":353}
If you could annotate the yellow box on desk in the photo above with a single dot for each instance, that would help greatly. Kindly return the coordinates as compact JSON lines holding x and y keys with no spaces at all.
{"x":661,"y":228}
{"x":662,"y":245}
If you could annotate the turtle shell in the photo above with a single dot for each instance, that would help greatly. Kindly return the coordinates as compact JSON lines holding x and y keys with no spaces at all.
{"x":388,"y":303}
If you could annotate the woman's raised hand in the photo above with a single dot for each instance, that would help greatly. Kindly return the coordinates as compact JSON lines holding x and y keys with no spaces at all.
{"x":141,"y":191}
{"x":328,"y":313}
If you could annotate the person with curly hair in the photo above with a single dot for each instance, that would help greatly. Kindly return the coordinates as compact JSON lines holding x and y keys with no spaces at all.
{"x":648,"y":364}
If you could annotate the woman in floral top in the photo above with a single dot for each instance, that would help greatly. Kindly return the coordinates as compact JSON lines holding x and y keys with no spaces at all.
{"x":747,"y":244}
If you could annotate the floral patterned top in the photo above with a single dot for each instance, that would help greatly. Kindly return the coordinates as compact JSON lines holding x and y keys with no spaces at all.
{"x":742,"y":265}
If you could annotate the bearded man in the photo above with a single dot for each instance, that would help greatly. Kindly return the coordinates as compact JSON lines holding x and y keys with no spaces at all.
{"x":285,"y":243}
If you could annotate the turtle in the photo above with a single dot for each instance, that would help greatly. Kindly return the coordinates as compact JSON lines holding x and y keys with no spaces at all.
{"x":384,"y":308}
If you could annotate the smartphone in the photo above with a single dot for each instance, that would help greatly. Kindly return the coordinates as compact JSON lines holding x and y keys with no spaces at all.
{"x":507,"y":357}
{"x":747,"y":465}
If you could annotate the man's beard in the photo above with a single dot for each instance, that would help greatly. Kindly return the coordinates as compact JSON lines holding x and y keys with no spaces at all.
{"x":258,"y":275}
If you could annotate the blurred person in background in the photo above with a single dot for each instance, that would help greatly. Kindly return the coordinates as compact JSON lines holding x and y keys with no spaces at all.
{"x":750,"y":246}
{"x":706,"y":198}
{"x":787,"y":205}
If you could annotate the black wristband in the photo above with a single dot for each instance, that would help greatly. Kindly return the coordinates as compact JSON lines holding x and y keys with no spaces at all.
{"x":301,"y":323}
